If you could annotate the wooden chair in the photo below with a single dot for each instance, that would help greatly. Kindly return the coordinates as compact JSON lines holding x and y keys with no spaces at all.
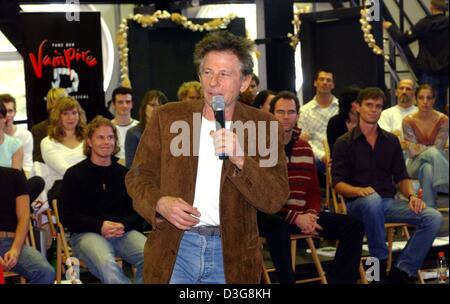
{"x":30,"y":241}
{"x":310,"y":241}
{"x":63,"y":250}
{"x":340,"y":207}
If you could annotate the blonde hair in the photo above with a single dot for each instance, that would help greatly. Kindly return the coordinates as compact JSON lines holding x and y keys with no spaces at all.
{"x":53,"y":95}
{"x":96,"y":123}
{"x":185,"y":86}
{"x":56,"y":129}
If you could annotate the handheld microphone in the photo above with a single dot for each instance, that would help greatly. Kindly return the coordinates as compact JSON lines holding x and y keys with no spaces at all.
{"x":218,"y":105}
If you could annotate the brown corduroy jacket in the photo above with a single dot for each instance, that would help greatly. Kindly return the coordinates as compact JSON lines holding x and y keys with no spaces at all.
{"x":156,"y":172}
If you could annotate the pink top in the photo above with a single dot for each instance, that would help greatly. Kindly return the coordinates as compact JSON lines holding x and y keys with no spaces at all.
{"x":419,"y":141}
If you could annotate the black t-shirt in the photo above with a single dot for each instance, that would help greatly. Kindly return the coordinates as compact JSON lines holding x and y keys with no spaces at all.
{"x":12,"y":185}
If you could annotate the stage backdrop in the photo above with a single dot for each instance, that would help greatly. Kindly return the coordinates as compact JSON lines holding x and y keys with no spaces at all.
{"x":60,"y":53}
{"x":161,"y":57}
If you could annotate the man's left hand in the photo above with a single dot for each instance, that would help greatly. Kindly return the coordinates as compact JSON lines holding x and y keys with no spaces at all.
{"x":416,"y":204}
{"x":227,"y":142}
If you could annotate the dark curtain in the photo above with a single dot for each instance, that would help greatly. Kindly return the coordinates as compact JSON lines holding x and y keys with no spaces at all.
{"x":161,"y":57}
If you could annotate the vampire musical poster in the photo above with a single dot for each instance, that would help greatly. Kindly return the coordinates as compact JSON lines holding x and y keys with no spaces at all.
{"x":66,"y":54}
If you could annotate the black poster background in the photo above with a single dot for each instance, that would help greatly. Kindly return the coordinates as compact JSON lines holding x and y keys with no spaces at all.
{"x":63,"y":39}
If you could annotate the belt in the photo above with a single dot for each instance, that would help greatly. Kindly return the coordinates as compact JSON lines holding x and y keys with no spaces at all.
{"x":206,"y":230}
{"x":7,"y":234}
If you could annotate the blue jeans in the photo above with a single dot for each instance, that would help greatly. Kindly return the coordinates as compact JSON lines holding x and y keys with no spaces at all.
{"x":440,"y":84}
{"x":31,"y":264}
{"x":374,"y":211}
{"x":199,"y":260}
{"x":99,"y":254}
{"x":431,"y":168}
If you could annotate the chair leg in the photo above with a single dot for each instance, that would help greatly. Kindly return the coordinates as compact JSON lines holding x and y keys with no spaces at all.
{"x":293,"y":254}
{"x":316,"y":260}
{"x":58,"y":259}
{"x":420,"y":277}
{"x":362,"y":273}
{"x":265,"y":275}
{"x":390,"y":239}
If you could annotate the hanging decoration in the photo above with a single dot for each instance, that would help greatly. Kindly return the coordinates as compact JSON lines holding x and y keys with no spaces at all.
{"x":149,"y":21}
{"x":366,"y":28}
{"x":297,"y":23}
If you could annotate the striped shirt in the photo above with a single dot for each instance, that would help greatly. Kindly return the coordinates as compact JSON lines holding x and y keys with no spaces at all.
{"x":303,"y":183}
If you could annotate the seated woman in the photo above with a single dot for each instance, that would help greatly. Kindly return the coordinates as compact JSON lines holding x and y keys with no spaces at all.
{"x":152,"y":99}
{"x":63,"y":147}
{"x":39,"y":131}
{"x":425,"y":134}
{"x":347,"y":117}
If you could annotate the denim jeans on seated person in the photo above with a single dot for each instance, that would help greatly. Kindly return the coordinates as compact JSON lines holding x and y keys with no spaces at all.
{"x":374,"y":211}
{"x":199,"y":260}
{"x":431,"y":168}
{"x":31,"y":264}
{"x":99,"y":254}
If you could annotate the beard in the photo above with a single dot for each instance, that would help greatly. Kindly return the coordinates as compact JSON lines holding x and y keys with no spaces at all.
{"x":404,"y":99}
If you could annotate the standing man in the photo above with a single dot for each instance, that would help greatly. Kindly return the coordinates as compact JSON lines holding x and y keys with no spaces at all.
{"x":122,"y":102}
{"x":302,"y":210}
{"x":432,"y":60}
{"x":314,"y":116}
{"x":15,"y":255}
{"x":367,"y":166}
{"x":96,"y":208}
{"x":202,"y":209}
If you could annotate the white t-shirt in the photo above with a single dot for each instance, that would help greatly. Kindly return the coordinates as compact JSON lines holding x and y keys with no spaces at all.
{"x":122,"y":133}
{"x":26,"y":139}
{"x":391,"y":118}
{"x":209,"y":173}
{"x":59,"y":158}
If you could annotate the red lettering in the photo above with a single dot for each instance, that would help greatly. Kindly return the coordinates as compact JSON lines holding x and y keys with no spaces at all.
{"x":59,"y":60}
{"x":37,"y":66}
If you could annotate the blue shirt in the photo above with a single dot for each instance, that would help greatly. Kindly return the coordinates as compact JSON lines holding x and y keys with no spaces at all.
{"x":9,"y":146}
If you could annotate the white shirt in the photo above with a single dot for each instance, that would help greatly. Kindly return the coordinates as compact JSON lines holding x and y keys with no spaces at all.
{"x":122,"y":133}
{"x":209,"y":173}
{"x":313,"y":120}
{"x":26,"y":139}
{"x":391,"y":118}
{"x":59,"y":158}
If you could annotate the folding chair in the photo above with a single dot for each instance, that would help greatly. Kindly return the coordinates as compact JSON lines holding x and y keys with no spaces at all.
{"x":310,"y":242}
{"x":63,"y":250}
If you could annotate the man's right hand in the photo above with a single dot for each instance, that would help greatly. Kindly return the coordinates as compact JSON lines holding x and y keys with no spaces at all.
{"x":361,"y":192}
{"x":178,"y":212}
{"x":307,"y":223}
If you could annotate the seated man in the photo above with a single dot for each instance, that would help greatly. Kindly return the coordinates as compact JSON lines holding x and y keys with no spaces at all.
{"x":302,"y":210}
{"x":367,"y":161}
{"x":97,"y":210}
{"x":14,"y":222}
